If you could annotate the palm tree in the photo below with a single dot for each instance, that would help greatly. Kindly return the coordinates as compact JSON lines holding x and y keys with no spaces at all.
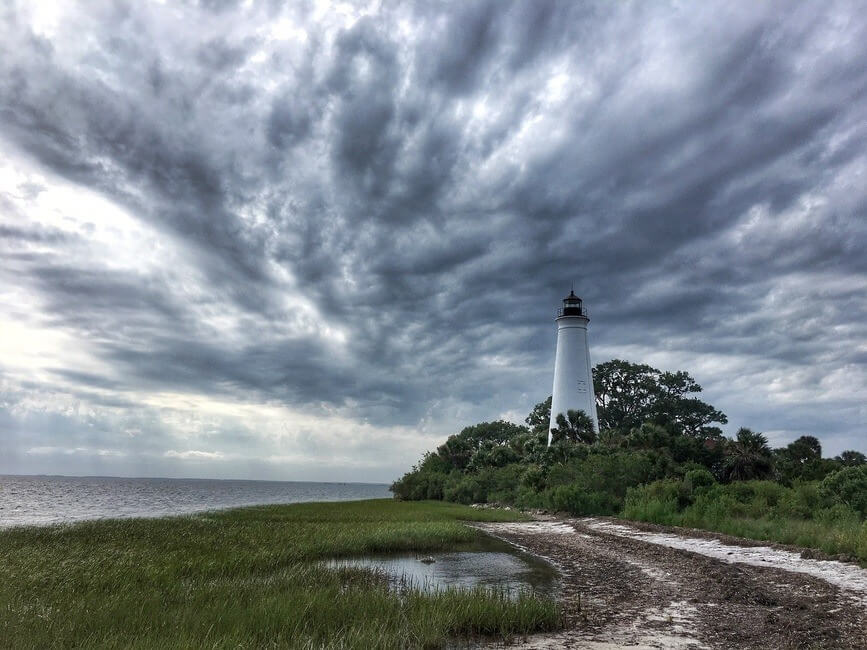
{"x":747,"y":457}
{"x":575,"y":426}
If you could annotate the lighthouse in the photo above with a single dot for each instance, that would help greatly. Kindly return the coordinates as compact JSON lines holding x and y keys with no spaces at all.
{"x":573,"y":379}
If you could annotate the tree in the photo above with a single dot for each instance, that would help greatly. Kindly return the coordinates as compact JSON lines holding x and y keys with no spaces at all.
{"x":424,"y":481}
{"x":847,"y":486}
{"x":805,"y":449}
{"x":529,"y":445}
{"x":540,"y":417}
{"x":459,"y":449}
{"x":491,"y":454}
{"x":629,"y":394}
{"x":649,"y":436}
{"x":747,"y":457}
{"x":562,"y":450}
{"x":611,"y":438}
{"x":624,"y":393}
{"x":574,"y":426}
{"x":802,"y":460}
{"x":851,"y":458}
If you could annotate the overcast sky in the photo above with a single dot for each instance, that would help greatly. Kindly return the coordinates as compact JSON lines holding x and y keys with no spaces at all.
{"x":307,"y":241}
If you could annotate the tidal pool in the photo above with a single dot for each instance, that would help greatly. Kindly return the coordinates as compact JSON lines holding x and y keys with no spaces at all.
{"x":496,"y":565}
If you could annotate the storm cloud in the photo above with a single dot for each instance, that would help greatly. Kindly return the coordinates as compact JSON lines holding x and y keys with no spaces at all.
{"x":308,"y":241}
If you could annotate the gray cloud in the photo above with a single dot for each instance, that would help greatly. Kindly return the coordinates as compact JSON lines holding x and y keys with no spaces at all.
{"x":375,"y":217}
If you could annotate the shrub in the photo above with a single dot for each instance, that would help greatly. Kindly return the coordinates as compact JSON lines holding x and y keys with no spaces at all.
{"x":575,"y":500}
{"x":534,"y":478}
{"x":712,"y":506}
{"x":466,"y":490}
{"x":530,"y":498}
{"x":698,"y":478}
{"x":501,"y":483}
{"x":839,"y":514}
{"x":658,"y":502}
{"x":563,"y":474}
{"x":847,"y":487}
{"x":801,"y":501}
{"x":419,"y":485}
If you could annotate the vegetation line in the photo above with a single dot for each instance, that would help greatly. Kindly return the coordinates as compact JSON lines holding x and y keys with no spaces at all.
{"x":660,"y":457}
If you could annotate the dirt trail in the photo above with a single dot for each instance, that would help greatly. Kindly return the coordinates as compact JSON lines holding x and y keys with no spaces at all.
{"x":625,"y":587}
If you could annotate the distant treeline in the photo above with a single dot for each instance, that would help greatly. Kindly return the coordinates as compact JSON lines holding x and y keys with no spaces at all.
{"x":659,"y":456}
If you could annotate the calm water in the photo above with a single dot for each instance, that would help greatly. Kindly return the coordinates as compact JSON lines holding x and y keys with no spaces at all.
{"x":503,"y":568}
{"x":56,"y":499}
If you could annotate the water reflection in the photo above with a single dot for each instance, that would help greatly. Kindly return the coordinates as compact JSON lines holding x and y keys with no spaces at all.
{"x":508,"y":570}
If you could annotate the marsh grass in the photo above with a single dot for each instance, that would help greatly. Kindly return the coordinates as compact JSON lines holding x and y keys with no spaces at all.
{"x":841,"y":537}
{"x":248,"y":578}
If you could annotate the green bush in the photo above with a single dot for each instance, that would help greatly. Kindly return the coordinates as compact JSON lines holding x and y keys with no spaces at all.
{"x":698,"y":478}
{"x":711,"y":507}
{"x":534,"y":478}
{"x":528,"y":498}
{"x":501,"y":483}
{"x":768,"y":492}
{"x":847,"y":487}
{"x":801,"y":501}
{"x":658,"y":502}
{"x":609,"y":470}
{"x":466,"y":490}
{"x":839,"y":513}
{"x":575,"y":500}
{"x":744,"y":499}
{"x":563,"y":474}
{"x":418,"y":486}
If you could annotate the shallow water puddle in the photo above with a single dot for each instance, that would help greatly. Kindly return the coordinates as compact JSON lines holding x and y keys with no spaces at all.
{"x":513,"y":572}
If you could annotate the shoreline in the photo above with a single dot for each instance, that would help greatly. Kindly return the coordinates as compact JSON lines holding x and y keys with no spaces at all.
{"x":186,"y":478}
{"x":44,"y":501}
{"x":626,"y":588}
{"x":169,"y":515}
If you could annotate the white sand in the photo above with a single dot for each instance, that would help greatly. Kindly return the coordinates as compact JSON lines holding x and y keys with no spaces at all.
{"x":846,"y":576}
{"x":535,"y":527}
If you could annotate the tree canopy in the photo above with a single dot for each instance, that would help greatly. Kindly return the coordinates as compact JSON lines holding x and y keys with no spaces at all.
{"x":630,"y":394}
{"x":747,"y":457}
{"x":460,"y":448}
{"x":540,"y":417}
{"x":575,"y":426}
{"x":802,"y":460}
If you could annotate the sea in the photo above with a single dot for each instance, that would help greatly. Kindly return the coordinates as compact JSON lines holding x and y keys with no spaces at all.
{"x":44,"y":500}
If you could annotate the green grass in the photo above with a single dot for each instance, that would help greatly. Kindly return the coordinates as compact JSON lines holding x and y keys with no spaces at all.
{"x":840,"y":537}
{"x":837,"y":530}
{"x":247,"y":578}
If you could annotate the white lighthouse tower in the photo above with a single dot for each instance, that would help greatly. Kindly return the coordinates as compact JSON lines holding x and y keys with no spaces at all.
{"x":573,"y":379}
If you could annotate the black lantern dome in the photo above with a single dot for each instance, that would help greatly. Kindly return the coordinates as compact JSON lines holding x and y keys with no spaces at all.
{"x":572,"y":306}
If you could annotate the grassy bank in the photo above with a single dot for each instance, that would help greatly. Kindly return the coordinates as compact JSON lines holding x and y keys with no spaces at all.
{"x":760,"y":510}
{"x":246,"y":578}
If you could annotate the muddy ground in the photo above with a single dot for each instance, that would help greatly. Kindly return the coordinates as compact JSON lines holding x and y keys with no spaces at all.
{"x":622,"y":592}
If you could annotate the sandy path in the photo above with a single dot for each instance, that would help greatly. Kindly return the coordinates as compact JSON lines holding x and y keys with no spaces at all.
{"x":625,"y":587}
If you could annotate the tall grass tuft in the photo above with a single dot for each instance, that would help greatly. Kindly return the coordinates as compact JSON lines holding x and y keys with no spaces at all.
{"x":761,"y":510}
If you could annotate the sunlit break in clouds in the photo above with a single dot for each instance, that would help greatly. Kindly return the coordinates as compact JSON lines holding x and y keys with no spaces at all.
{"x":308,"y":240}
